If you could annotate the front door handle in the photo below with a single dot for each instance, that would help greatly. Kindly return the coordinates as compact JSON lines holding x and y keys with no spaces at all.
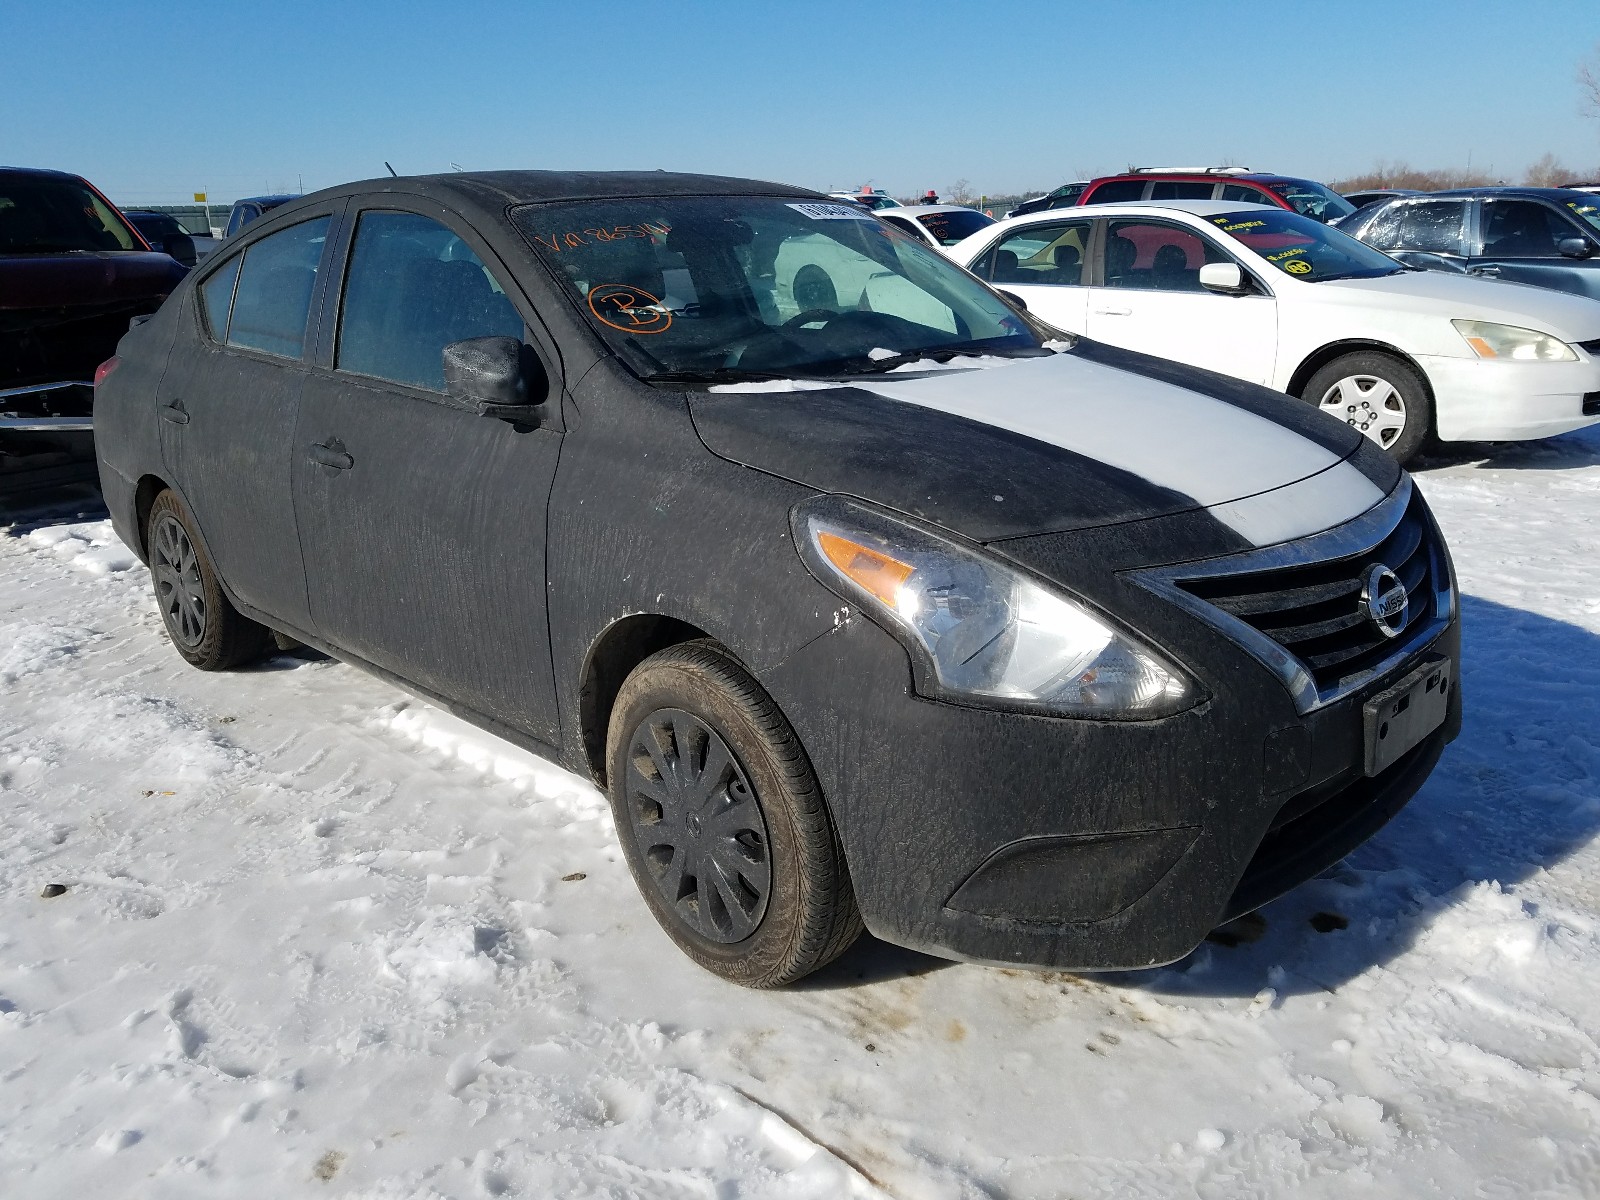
{"x":1483,"y":271}
{"x":175,"y":413}
{"x":331,"y":454}
{"x":1114,"y":312}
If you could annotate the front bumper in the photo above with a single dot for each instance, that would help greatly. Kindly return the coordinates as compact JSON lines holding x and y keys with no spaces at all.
{"x":1014,"y":838}
{"x":1482,"y":400}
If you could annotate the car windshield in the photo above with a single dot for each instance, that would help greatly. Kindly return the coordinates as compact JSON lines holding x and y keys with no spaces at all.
{"x":57,"y":216}
{"x":948,"y":228}
{"x":1304,"y":248}
{"x":1312,"y":199}
{"x":1590,"y":213}
{"x":721,"y":286}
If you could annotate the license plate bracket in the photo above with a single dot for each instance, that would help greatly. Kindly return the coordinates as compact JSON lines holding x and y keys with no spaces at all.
{"x":1399,"y":717}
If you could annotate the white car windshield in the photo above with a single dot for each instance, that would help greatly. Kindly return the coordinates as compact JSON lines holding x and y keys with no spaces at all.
{"x":1304,"y":248}
{"x":719,"y":286}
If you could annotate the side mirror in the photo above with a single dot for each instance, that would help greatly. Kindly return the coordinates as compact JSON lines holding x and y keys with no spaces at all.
{"x":181,"y":248}
{"x":1574,"y":247}
{"x":1224,"y":277}
{"x":495,"y":377}
{"x":1015,"y":299}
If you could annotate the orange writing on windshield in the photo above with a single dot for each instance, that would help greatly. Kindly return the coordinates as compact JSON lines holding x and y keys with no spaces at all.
{"x":628,"y":308}
{"x":574,"y":239}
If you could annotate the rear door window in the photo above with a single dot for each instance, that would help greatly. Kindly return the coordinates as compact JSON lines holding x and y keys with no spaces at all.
{"x":412,"y":288}
{"x":1155,"y":256}
{"x":1037,"y":254}
{"x":1244,"y":193}
{"x":1434,"y":226}
{"x":1522,"y":229}
{"x":1180,"y":190}
{"x":276,"y":285}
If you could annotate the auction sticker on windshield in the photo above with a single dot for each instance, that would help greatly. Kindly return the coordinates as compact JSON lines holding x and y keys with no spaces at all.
{"x":832,"y":212}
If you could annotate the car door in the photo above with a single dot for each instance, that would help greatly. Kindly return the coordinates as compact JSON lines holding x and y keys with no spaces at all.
{"x":228,"y":407}
{"x":1148,"y":297}
{"x":1043,"y":264}
{"x":1519,"y":242}
{"x":423,"y":525}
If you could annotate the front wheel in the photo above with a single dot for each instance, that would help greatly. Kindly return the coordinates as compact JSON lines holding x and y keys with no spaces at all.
{"x":722,"y":820}
{"x":1382,"y":396}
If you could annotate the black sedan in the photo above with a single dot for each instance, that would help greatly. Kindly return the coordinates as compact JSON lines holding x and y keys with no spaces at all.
{"x":866,"y":598}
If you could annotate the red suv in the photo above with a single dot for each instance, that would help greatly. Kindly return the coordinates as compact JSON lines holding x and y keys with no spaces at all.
{"x":1219,"y":183}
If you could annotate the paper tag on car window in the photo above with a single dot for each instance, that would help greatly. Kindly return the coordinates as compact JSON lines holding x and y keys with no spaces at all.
{"x":833,"y":212}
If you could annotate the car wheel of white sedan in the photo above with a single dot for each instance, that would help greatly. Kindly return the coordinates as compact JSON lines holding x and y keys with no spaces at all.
{"x":1378,"y":394}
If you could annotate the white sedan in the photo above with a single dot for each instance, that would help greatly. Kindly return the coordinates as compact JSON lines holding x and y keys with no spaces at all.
{"x":939,"y":225}
{"x":1270,"y":296}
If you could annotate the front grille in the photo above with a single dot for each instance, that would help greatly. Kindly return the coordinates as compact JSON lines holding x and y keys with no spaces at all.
{"x":1591,"y":347}
{"x":1314,"y":610}
{"x":1591,"y":404}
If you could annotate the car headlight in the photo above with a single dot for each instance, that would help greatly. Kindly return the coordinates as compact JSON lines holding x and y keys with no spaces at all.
{"x":978,"y":629}
{"x":1489,"y":340}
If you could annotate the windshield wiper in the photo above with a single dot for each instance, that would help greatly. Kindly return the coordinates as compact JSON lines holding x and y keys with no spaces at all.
{"x":938,"y":354}
{"x":721,"y":375}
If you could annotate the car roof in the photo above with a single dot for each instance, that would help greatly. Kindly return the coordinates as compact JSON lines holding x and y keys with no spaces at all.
{"x":499,"y":188}
{"x":1194,"y":208}
{"x":1205,"y":177}
{"x":274,"y":199}
{"x":1559,"y":195}
{"x":50,"y":171}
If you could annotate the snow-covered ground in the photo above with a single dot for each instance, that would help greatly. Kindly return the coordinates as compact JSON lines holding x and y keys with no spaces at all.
{"x":320,"y":939}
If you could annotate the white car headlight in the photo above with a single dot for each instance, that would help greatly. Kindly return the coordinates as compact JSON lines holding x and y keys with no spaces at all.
{"x":980,"y":630}
{"x":1489,"y":340}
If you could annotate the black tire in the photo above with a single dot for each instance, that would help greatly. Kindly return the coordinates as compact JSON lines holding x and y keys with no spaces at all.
{"x":1393,"y":381}
{"x":201,"y":624}
{"x":682,"y":815}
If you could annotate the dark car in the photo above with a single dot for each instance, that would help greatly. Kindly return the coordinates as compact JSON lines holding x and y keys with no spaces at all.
{"x":867,"y":606}
{"x":164,"y":233}
{"x":1547,"y":237}
{"x":1371,"y":196}
{"x":1063,"y":197}
{"x":1304,"y":196}
{"x":73,"y":274}
{"x":252,"y":208}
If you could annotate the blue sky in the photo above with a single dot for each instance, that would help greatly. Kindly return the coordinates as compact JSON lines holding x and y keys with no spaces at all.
{"x":154,"y":101}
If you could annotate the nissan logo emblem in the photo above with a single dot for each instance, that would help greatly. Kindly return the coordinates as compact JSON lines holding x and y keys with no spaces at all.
{"x":1384,"y":600}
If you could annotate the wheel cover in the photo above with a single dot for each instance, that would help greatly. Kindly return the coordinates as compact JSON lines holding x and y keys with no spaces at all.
{"x":1369,"y":403}
{"x":179,"y":590}
{"x":698,"y":825}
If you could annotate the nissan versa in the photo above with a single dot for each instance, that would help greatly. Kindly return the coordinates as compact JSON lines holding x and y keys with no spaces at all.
{"x":867,"y":598}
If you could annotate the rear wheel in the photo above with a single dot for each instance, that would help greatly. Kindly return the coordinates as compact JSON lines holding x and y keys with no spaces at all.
{"x":204,"y":627}
{"x":722,"y":820}
{"x":1380,"y":395}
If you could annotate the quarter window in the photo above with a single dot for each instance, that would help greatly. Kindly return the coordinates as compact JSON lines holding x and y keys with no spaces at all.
{"x":276,"y":283}
{"x":1433,"y":226}
{"x":1151,"y":256}
{"x":1037,"y":254}
{"x":413,"y":288}
{"x":1117,"y":191}
{"x":216,"y":297}
{"x":1522,"y":229}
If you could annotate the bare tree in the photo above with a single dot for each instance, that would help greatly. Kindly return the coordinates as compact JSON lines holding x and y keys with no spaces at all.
{"x":1589,"y":84}
{"x":960,"y":192}
{"x":1548,"y":172}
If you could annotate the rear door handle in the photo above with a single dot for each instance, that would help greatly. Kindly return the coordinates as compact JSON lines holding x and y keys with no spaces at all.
{"x":331,"y":454}
{"x":1114,"y":312}
{"x":175,"y":413}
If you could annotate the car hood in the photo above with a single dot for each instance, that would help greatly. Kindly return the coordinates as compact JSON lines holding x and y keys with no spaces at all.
{"x":1570,"y":318}
{"x":59,"y":280}
{"x":1091,"y":437}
